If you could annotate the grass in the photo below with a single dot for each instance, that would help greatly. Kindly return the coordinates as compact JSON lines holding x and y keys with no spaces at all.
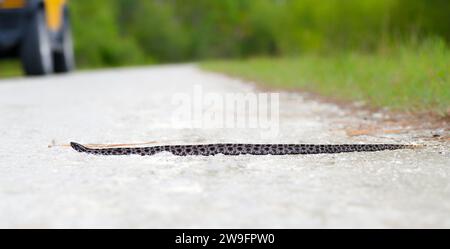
{"x":406,"y":79}
{"x":10,"y":68}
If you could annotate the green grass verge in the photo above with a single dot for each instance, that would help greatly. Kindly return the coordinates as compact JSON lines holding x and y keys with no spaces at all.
{"x":9,"y":68}
{"x":406,"y":79}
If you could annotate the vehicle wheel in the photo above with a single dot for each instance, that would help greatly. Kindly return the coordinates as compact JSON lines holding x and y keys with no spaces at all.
{"x":64,"y":59}
{"x":36,"y":50}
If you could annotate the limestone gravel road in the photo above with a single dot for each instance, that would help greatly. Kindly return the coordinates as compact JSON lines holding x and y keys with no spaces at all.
{"x":43,"y":187}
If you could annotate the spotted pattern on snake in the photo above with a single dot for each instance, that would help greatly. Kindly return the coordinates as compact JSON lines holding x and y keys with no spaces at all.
{"x":241,"y":149}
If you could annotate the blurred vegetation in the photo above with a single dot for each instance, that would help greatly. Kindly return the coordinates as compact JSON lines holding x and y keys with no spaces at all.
{"x":410,"y":78}
{"x":9,"y":68}
{"x":123,"y":32}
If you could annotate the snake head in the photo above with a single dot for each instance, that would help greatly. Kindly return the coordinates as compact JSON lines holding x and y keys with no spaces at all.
{"x":78,"y":147}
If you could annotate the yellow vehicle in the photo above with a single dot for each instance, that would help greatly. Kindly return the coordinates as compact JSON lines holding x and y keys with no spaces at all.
{"x":37,"y":31}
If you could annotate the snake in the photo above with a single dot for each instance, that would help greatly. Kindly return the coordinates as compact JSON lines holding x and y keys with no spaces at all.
{"x":234,"y":149}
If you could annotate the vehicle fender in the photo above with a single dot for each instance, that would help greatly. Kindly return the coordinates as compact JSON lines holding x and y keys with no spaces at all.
{"x":55,"y":11}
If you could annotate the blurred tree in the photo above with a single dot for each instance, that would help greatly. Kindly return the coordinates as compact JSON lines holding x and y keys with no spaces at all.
{"x":98,"y":42}
{"x":117,"y":32}
{"x":155,"y":28}
{"x":421,"y":18}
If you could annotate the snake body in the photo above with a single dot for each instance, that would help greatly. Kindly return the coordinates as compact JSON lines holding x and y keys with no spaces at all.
{"x":241,"y":149}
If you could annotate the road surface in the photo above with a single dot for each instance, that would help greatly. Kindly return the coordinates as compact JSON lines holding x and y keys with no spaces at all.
{"x":43,"y":187}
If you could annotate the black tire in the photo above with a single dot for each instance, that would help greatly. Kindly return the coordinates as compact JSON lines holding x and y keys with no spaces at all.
{"x":36,"y":48}
{"x":64,"y":58}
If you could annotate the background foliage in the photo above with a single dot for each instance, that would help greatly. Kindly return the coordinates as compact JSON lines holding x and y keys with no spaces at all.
{"x":123,"y":32}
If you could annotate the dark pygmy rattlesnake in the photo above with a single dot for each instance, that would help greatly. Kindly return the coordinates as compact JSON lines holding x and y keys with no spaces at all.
{"x":241,"y":149}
